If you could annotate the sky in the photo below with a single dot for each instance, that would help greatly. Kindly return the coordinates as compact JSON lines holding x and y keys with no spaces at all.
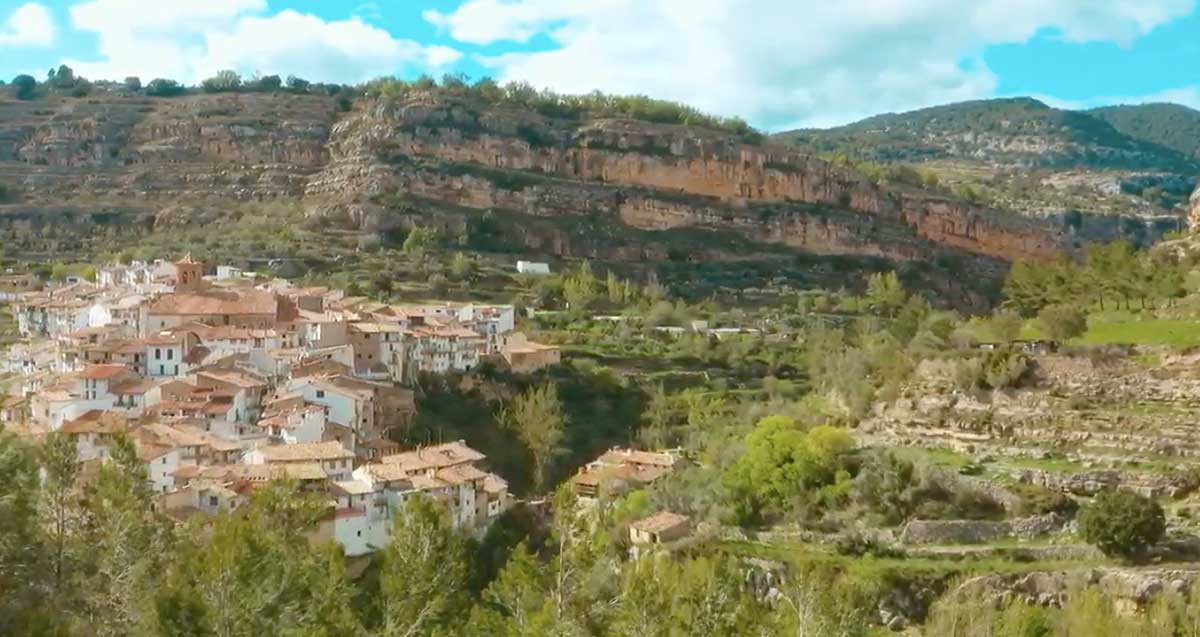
{"x":779,"y":64}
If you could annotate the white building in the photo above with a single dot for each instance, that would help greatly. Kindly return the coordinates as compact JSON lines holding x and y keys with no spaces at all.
{"x":533,"y":267}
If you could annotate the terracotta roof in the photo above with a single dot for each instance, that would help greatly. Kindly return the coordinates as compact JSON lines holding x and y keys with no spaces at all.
{"x":332,"y":450}
{"x":96,"y":421}
{"x":354,"y":487}
{"x":13,"y":401}
{"x":617,"y":455}
{"x":427,"y":483}
{"x":304,"y":471}
{"x":435,"y":457}
{"x":495,"y":484}
{"x":231,"y":377}
{"x":232,"y":332}
{"x":247,"y":303}
{"x":173,"y":435}
{"x":133,"y":387}
{"x":460,"y":474}
{"x":374,"y":328}
{"x":102,"y":372}
{"x":387,"y":472}
{"x":659,"y":522}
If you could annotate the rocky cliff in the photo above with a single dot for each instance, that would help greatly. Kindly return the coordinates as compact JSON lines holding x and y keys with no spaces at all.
{"x":110,"y":157}
{"x":652,"y":177}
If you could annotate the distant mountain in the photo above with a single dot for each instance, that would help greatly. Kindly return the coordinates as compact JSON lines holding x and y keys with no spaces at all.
{"x":1020,"y":132}
{"x":1171,"y":125}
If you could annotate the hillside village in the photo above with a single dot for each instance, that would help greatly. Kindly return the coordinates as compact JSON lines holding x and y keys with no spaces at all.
{"x":225,"y":383}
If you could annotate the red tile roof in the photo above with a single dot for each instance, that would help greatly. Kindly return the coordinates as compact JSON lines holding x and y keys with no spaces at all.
{"x":102,"y":372}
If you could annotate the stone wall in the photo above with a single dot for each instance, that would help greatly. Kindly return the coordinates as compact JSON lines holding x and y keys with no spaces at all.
{"x":980,"y":531}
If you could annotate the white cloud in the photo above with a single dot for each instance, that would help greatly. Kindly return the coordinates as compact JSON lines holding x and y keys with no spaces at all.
{"x":30,"y":25}
{"x":192,"y":40}
{"x":1185,"y":95}
{"x":782,"y":63}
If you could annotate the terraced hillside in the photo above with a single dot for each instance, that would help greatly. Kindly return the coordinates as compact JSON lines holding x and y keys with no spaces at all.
{"x":1135,"y":165}
{"x":1084,"y":422}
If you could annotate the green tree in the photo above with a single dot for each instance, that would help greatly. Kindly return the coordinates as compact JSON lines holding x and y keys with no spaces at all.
{"x":581,"y":289}
{"x":253,"y":572}
{"x":515,"y":601}
{"x":419,"y":241}
{"x":133,"y":84}
{"x":297,"y":84}
{"x":23,"y":554}
{"x":782,"y":462}
{"x":1062,"y":322}
{"x":424,"y":570}
{"x":25,"y":85}
{"x":1122,"y":523}
{"x":537,"y":418}
{"x":1025,"y":288}
{"x":223,"y":82}
{"x":885,"y":294}
{"x":1005,"y":325}
{"x":657,"y":420}
{"x":268,"y":83}
{"x":463,"y":267}
{"x":59,"y":504}
{"x":162,"y":87}
{"x":124,"y":548}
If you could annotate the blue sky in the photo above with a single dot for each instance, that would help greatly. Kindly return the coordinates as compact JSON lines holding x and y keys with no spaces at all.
{"x":776,"y":63}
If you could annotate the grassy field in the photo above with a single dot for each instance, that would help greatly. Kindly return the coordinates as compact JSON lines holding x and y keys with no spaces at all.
{"x":1171,"y":332}
{"x":1116,"y":328}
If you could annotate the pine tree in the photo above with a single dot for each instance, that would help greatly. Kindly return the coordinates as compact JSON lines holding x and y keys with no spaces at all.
{"x":424,"y":572}
{"x":537,"y":418}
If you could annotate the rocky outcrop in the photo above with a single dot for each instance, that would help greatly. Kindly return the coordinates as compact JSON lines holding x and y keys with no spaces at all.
{"x":1194,"y":211}
{"x":980,"y":531}
{"x":139,"y":159}
{"x":653,"y":177}
{"x":1132,"y":588}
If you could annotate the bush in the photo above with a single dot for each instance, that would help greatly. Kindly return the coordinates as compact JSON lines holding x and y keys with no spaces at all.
{"x":161,"y":87}
{"x":222,"y":82}
{"x":1005,"y":325}
{"x":997,"y":369}
{"x":25,"y":85}
{"x":1122,"y":523}
{"x":1062,"y":322}
{"x":1003,"y":369}
{"x":1038,"y":500}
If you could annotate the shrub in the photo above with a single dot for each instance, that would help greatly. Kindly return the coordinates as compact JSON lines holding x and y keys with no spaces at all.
{"x":162,"y":87}
{"x":1122,"y":523}
{"x":1062,"y":322}
{"x":25,"y":85}
{"x":1005,"y":325}
{"x":1004,"y":369}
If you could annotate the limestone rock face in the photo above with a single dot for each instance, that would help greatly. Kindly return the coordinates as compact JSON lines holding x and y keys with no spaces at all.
{"x":139,"y":159}
{"x":653,"y":177}
{"x":1194,"y":211}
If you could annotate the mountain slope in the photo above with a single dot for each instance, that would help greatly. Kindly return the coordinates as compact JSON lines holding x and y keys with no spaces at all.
{"x":1173,"y":126}
{"x":1015,"y":131}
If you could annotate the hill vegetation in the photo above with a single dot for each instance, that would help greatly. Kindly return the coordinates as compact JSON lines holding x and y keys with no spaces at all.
{"x":1173,"y":126}
{"x":1020,"y":131}
{"x":64,"y":81}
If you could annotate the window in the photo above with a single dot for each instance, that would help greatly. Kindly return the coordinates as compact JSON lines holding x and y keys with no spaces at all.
{"x":212,"y":500}
{"x":170,"y":354}
{"x":157,"y":353}
{"x":176,"y":372}
{"x":320,"y":393}
{"x":358,"y":533}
